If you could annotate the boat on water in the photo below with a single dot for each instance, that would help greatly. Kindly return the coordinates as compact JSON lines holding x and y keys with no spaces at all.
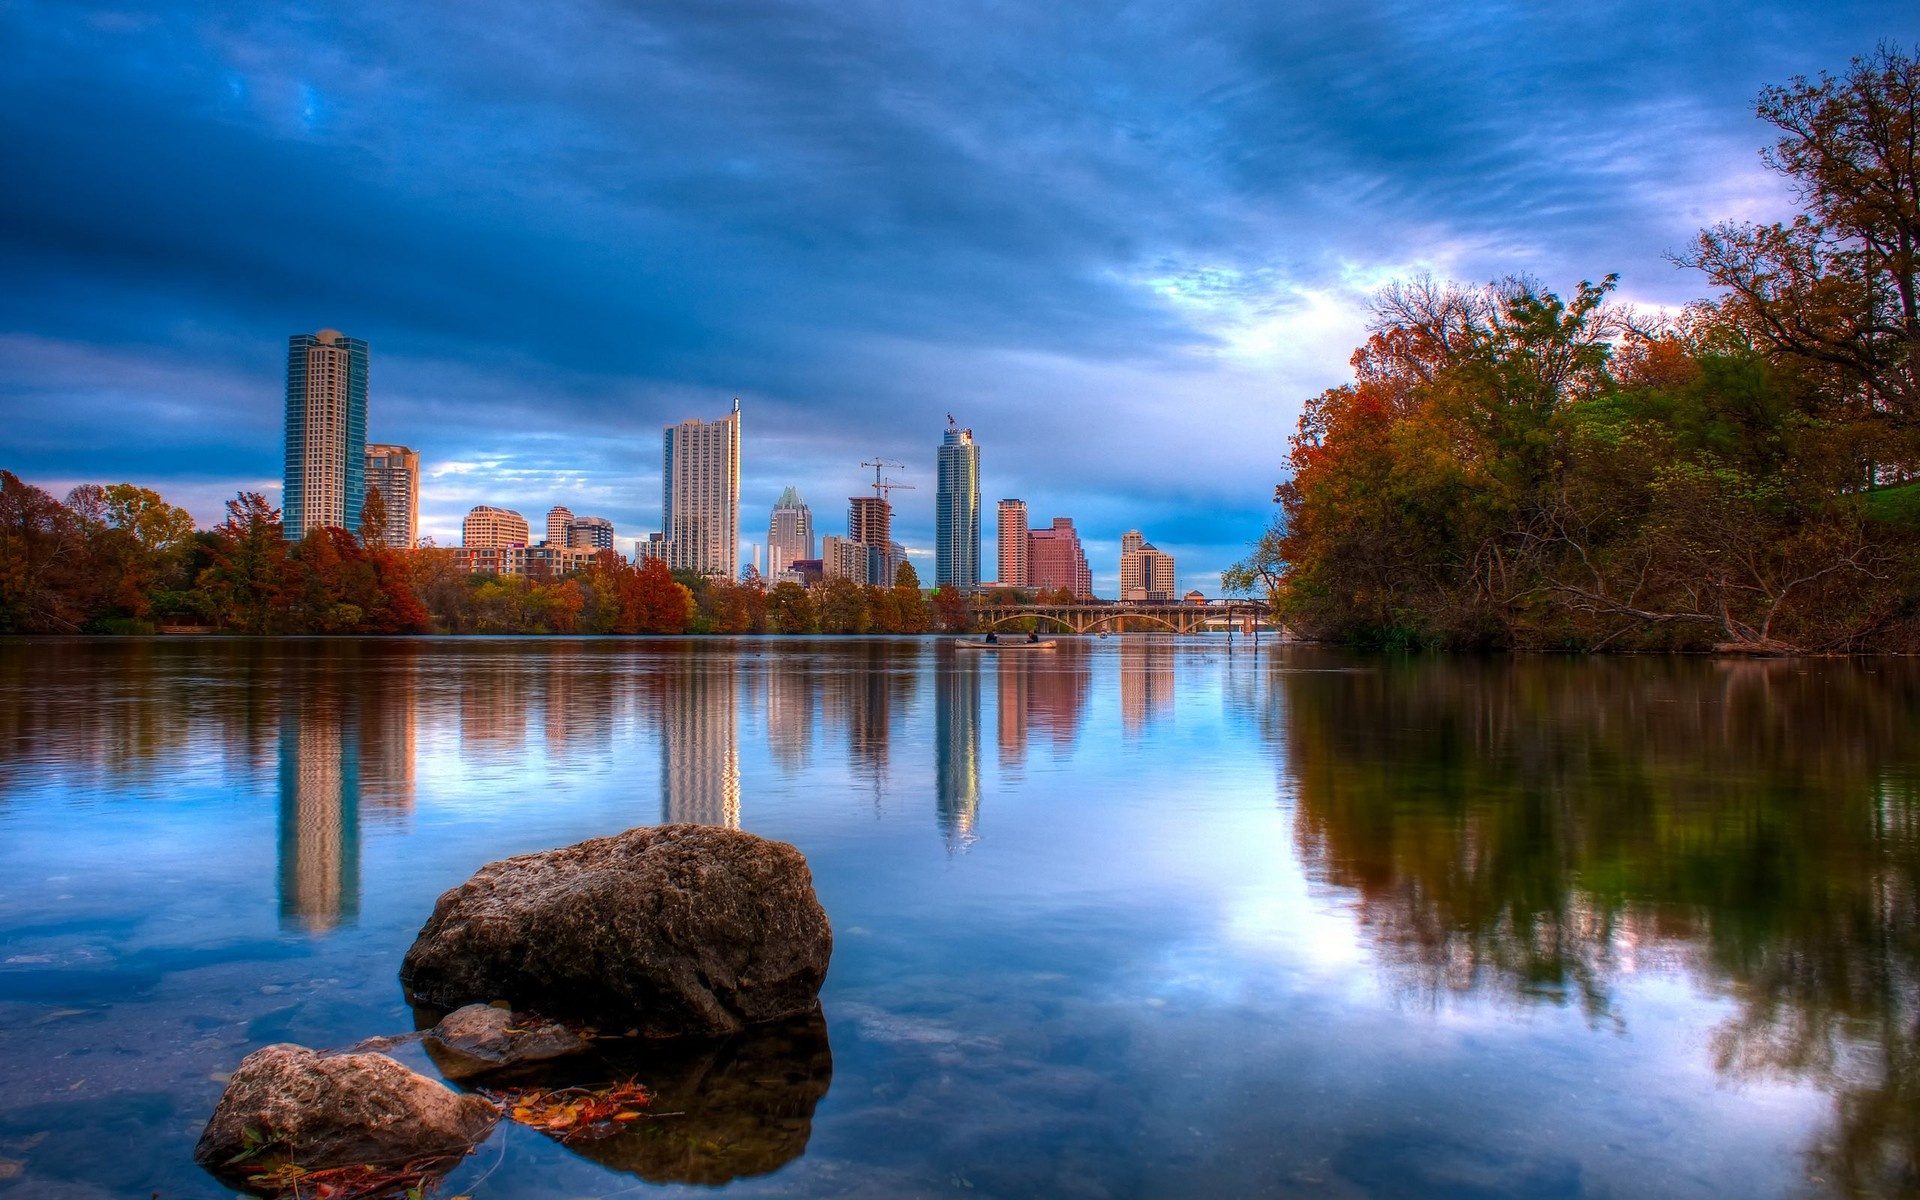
{"x":1014,"y":644}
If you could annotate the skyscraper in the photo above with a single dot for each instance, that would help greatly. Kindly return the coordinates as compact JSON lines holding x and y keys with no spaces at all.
{"x":326,"y":481}
{"x":1057,"y":560}
{"x":789,"y":533}
{"x":956,"y":552}
{"x":700,"y":495}
{"x":1015,"y":563}
{"x":1146,"y":573}
{"x":558,"y":518}
{"x":395,"y":470}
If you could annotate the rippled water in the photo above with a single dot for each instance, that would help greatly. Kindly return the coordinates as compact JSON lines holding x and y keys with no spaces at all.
{"x":1141,"y":918}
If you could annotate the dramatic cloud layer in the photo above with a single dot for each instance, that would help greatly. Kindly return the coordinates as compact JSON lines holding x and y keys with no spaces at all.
{"x":1122,"y":242}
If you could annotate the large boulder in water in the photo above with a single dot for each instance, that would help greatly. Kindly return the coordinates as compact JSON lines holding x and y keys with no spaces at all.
{"x":287,"y":1103}
{"x":671,"y":930}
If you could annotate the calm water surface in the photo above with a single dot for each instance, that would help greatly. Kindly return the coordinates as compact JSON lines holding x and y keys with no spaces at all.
{"x":1137,"y":919}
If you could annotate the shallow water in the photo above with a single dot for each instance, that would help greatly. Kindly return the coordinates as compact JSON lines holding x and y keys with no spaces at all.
{"x":1140,"y":918}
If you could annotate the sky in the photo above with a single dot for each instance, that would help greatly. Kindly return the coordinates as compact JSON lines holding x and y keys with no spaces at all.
{"x":1121,"y":242}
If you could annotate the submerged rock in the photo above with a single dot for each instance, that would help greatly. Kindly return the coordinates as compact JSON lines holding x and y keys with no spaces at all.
{"x":287,"y":1103}
{"x":673,"y":930}
{"x":481,"y":1038}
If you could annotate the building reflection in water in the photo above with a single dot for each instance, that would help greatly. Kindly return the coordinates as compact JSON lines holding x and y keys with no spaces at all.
{"x":699,"y":742}
{"x":346,"y":754}
{"x":790,"y":700}
{"x":319,"y":816}
{"x":957,"y":747}
{"x":577,"y":702}
{"x":1146,"y":682}
{"x":1039,"y":695}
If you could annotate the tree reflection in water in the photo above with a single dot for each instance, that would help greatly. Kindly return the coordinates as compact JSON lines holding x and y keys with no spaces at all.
{"x":1538,"y":829}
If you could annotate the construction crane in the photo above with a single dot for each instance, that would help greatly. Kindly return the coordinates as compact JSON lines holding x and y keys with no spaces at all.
{"x":884,"y":488}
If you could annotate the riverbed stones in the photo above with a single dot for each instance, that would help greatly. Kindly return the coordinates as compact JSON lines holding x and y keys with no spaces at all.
{"x":671,"y":930}
{"x":287,"y":1103}
{"x":482,"y":1038}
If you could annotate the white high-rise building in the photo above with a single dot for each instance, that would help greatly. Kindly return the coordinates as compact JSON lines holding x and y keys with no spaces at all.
{"x":789,"y":533}
{"x":558,"y":518}
{"x":700,"y":495}
{"x":326,"y":478}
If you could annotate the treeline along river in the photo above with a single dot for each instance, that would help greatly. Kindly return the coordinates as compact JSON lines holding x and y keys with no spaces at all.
{"x":1139,"y":918}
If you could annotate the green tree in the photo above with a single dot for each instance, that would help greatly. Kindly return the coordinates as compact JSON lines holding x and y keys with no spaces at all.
{"x":790,"y":609}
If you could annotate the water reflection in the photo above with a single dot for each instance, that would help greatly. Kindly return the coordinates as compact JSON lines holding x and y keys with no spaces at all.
{"x":319,"y":818}
{"x":699,"y":739}
{"x":956,"y":732}
{"x":1543,"y":831}
{"x":1039,"y":695}
{"x":1146,"y":682}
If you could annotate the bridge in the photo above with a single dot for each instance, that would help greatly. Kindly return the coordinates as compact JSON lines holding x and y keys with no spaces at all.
{"x":1114,"y":618}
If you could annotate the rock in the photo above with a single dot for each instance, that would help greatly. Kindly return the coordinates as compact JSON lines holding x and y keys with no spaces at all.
{"x":287,"y":1103}
{"x":746,"y":1104}
{"x":481,"y":1038}
{"x":673,"y":930}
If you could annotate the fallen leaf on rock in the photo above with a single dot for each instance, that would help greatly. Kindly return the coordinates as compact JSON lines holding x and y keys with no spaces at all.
{"x":574,"y":1114}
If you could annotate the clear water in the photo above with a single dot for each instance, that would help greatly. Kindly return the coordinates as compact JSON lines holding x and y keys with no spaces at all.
{"x":1140,"y":918}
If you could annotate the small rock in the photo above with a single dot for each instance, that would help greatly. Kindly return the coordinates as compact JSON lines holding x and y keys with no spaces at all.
{"x":287,"y":1103}
{"x":481,"y":1038}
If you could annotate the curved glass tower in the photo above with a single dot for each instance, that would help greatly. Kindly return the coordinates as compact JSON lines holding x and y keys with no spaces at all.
{"x":956,"y":555}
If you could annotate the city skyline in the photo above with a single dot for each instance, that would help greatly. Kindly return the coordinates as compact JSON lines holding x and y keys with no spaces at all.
{"x":543,"y":295}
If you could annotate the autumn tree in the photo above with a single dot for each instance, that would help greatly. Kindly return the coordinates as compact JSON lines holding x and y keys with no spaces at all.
{"x":373,"y":518}
{"x":247,"y":578}
{"x":651,"y":601}
{"x":1838,"y":287}
{"x":37,"y":537}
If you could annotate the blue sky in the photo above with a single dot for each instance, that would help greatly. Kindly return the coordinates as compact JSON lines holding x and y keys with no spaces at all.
{"x":1122,"y":242}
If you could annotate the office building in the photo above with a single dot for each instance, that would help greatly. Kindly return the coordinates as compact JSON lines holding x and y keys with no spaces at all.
{"x":789,"y":533}
{"x":1012,"y":538}
{"x":1055,"y":559}
{"x":700,"y":495}
{"x":845,"y":558}
{"x":558,"y":518}
{"x":395,"y":470}
{"x":956,"y":536}
{"x":490,"y":528}
{"x":1146,"y":574}
{"x":326,"y":435}
{"x":589,"y":533}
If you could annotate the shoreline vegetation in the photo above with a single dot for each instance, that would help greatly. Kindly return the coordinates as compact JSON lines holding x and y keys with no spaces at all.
{"x":121,"y":560}
{"x":1514,"y":469}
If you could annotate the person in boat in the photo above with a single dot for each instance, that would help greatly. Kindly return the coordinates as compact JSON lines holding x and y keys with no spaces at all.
{"x":993,"y":639}
{"x":1033,"y":635}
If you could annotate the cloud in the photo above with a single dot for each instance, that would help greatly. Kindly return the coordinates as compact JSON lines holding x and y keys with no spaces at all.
{"x":1125,"y":241}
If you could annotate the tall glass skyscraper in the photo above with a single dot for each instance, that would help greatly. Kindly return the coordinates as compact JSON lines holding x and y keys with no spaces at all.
{"x":326,"y":479}
{"x":956,"y":546}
